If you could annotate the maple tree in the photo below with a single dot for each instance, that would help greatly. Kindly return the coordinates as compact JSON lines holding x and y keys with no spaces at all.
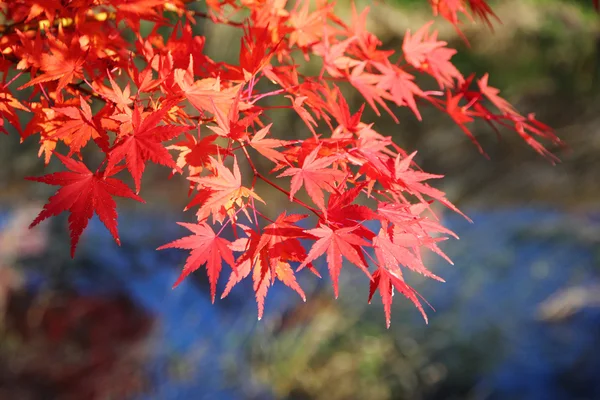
{"x":96,"y":83}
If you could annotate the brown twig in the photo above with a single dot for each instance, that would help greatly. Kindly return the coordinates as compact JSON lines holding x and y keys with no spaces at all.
{"x":217,"y":20}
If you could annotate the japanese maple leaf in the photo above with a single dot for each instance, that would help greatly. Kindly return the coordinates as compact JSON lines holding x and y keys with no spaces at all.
{"x":281,"y":240}
{"x":417,"y":47}
{"x":373,"y":87}
{"x":63,"y":63}
{"x":204,"y":94}
{"x":412,"y":230}
{"x":400,"y":85}
{"x":121,"y":98}
{"x":428,"y":54}
{"x":45,"y":122}
{"x":371,"y":148}
{"x":405,"y":236}
{"x":83,"y":193}
{"x":262,"y":277}
{"x":308,"y":27}
{"x":337,"y":243}
{"x":386,"y":281}
{"x":358,"y":27}
{"x":81,"y":127}
{"x":231,"y":126}
{"x":144,"y":144}
{"x":409,"y":218}
{"x":255,"y":51}
{"x":48,"y":7}
{"x":461,"y":115}
{"x":492,"y":94}
{"x":311,"y":92}
{"x":482,"y":10}
{"x":520,"y":128}
{"x":449,"y":10}
{"x":458,"y":113}
{"x":392,"y":255}
{"x":266,"y":146}
{"x":226,"y":191}
{"x":409,"y":176}
{"x":342,"y":210}
{"x":206,"y":248}
{"x":308,"y":119}
{"x":8,"y":107}
{"x":412,"y":180}
{"x":195,"y":153}
{"x":334,"y":58}
{"x":144,"y":80}
{"x":262,"y":280}
{"x":135,"y":10}
{"x":31,"y":52}
{"x":185,"y":42}
{"x":315,"y":176}
{"x":264,"y":269}
{"x":338,"y":107}
{"x":529,"y":127}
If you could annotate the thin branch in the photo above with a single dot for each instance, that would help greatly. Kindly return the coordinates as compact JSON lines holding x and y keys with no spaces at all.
{"x":217,"y":20}
{"x":276,"y":186}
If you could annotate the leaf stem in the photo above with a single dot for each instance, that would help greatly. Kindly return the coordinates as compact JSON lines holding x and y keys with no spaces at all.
{"x":276,"y":186}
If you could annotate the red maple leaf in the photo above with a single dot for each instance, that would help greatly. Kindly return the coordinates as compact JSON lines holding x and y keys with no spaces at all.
{"x":225,"y":191}
{"x":8,"y":107}
{"x":460,"y":115}
{"x":334,"y":59}
{"x":264,"y":268}
{"x":135,"y":10}
{"x":374,"y":88}
{"x":266,"y":146}
{"x":308,"y":27}
{"x":308,"y":119}
{"x":481,"y":9}
{"x":121,"y":98}
{"x":63,"y":64}
{"x":400,"y":85}
{"x":315,"y":176}
{"x":386,"y":282}
{"x":255,"y":52}
{"x":204,"y":94}
{"x":430,"y":55}
{"x":449,"y":10}
{"x":196,"y":153}
{"x":48,"y":7}
{"x":83,"y":193}
{"x":281,"y":239}
{"x":337,"y":243}
{"x":81,"y":127}
{"x":144,"y":144}
{"x":392,"y":254}
{"x":343,"y":211}
{"x":492,"y":94}
{"x":412,"y":180}
{"x":232,"y":126}
{"x":338,"y":107}
{"x":206,"y":248}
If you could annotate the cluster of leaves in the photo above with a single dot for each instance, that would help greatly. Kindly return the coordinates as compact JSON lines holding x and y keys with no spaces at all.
{"x":139,"y":101}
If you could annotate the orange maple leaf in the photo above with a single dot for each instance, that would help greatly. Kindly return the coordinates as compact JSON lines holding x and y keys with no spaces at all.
{"x":226,"y":191}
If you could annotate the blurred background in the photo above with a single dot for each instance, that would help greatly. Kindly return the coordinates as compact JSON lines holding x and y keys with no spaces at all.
{"x":518,"y":316}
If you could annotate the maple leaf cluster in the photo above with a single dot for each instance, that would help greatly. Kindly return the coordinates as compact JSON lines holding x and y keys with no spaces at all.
{"x":160,"y":99}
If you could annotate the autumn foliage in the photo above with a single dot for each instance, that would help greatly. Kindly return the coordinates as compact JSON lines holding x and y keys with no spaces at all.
{"x":96,"y":85}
